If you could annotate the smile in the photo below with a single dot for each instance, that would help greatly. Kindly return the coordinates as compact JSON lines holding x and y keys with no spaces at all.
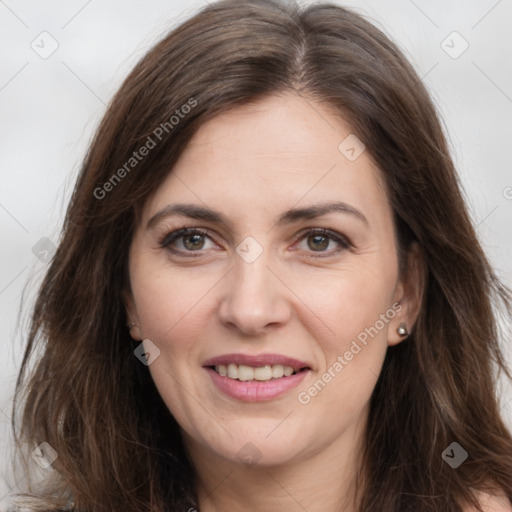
{"x":254,"y":378}
{"x":261,"y":373}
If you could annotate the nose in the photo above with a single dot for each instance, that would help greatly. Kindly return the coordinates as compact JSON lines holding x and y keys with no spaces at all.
{"x":254,"y":299}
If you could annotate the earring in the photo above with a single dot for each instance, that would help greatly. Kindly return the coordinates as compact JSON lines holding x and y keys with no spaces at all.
{"x":132,"y":324}
{"x":402,"y":330}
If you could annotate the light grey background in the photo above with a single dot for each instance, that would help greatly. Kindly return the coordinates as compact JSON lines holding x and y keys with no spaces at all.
{"x":51,"y":106}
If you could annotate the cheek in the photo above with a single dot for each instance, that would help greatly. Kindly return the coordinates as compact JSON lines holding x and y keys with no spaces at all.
{"x":357,"y":307}
{"x":166,"y":297}
{"x":173,"y":308}
{"x":362,"y":305}
{"x":346,"y":303}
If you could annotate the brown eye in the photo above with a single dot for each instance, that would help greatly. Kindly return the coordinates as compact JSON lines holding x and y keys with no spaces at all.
{"x":318,"y":242}
{"x":192,"y":240}
{"x":320,"y":239}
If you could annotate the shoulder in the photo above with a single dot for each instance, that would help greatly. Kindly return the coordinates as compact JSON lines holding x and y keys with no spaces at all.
{"x":491,"y":503}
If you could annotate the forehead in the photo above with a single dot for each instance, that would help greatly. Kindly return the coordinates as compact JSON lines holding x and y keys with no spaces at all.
{"x":281,"y":152}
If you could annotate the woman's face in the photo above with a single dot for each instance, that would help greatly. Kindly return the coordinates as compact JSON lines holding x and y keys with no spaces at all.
{"x":261,"y":291}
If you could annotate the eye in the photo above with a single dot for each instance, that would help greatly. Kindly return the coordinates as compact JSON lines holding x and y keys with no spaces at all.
{"x":319,"y":239}
{"x":192,"y":240}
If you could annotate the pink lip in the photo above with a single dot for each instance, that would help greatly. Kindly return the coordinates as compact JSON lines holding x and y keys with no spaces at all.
{"x":255,"y":391}
{"x":254,"y":361}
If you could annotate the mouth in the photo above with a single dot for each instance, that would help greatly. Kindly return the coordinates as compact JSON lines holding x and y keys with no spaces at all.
{"x":255,"y":378}
{"x":242,"y":372}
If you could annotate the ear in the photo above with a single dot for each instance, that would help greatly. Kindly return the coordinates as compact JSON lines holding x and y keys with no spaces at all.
{"x":408,"y":295}
{"x":132,"y":318}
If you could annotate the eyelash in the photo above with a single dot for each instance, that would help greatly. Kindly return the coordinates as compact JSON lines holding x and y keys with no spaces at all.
{"x":171,"y":237}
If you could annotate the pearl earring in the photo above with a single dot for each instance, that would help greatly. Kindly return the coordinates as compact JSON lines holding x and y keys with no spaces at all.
{"x":402,"y":330}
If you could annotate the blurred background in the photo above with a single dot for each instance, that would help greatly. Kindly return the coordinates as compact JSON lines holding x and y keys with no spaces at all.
{"x":63,"y":60}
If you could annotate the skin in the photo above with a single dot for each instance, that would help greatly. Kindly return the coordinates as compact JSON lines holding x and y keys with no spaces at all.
{"x":252,"y":164}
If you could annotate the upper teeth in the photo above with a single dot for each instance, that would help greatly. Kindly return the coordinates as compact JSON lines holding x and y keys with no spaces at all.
{"x":242,"y":372}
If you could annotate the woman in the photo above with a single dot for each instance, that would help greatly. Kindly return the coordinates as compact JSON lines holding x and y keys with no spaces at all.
{"x":268,"y":294}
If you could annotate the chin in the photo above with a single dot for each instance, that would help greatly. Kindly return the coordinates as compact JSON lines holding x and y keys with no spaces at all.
{"x":258,"y":451}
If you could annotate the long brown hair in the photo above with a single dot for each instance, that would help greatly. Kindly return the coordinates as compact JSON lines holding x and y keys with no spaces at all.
{"x":95,"y":404}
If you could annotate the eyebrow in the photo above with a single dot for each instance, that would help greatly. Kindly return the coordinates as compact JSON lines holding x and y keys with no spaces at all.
{"x":289,"y":217}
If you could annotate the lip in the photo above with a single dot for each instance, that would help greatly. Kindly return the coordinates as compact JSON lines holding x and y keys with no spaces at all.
{"x":256,"y":360}
{"x":256,"y":391}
